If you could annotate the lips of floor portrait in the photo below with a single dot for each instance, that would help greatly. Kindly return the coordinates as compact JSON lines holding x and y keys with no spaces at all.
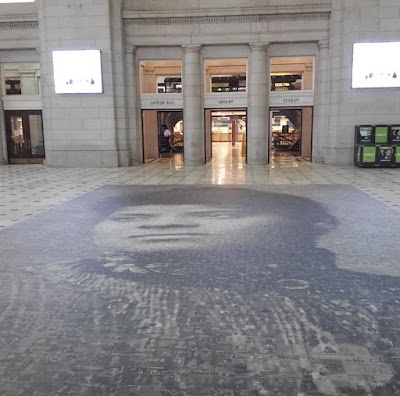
{"x":192,"y":290}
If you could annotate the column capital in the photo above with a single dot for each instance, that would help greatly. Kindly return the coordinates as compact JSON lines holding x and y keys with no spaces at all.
{"x":259,"y":46}
{"x":191,"y":48}
{"x":323,"y":44}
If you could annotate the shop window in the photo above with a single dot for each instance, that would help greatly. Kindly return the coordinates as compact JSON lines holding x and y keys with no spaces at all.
{"x":161,"y":77}
{"x":13,"y":86}
{"x":169,"y":84}
{"x":225,"y":75}
{"x":286,"y":82}
{"x":292,"y":74}
{"x":21,"y":79}
{"x":228,"y":84}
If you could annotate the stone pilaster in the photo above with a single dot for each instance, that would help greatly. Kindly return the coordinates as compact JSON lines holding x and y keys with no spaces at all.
{"x":193,"y":106}
{"x":3,"y":140}
{"x":258,"y":105}
{"x":119,"y":85}
{"x":321,"y":107}
{"x":133,"y":106}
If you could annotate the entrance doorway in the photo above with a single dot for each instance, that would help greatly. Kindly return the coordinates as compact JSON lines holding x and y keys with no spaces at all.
{"x":225,"y":132}
{"x":291,"y":132}
{"x":25,"y":140}
{"x":155,"y":143}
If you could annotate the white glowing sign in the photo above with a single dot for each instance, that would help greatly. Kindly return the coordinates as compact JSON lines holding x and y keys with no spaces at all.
{"x":376,"y":65}
{"x":77,"y":71}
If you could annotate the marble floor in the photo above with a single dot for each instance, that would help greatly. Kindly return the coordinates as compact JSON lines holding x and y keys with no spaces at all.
{"x":217,"y":280}
{"x":26,"y":190}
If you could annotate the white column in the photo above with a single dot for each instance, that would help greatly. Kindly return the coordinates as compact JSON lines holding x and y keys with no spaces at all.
{"x":133,"y":106}
{"x":3,"y":140}
{"x":258,"y":105}
{"x":320,"y":132}
{"x":194,"y":137}
{"x":119,"y":87}
{"x":28,"y":83}
{"x":337,"y":68}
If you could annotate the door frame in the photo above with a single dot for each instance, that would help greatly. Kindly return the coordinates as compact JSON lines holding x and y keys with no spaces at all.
{"x":208,"y":137}
{"x":310,"y":137}
{"x":158,"y":131}
{"x":27,"y":157}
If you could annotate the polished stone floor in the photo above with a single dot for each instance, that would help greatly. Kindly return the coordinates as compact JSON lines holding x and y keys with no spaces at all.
{"x":222,"y":279}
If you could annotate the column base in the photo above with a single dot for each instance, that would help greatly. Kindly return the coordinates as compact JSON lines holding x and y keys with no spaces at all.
{"x":339,"y":156}
{"x":262,"y":161}
{"x":124,"y":158}
{"x":81,"y":159}
{"x":189,"y":162}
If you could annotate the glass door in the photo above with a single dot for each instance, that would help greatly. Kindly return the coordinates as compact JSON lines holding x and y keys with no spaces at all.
{"x":25,"y":140}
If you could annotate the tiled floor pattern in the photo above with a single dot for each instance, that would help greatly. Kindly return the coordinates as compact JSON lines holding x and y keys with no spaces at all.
{"x":26,"y":190}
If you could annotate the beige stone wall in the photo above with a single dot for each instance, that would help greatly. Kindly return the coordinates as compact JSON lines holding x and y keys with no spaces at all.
{"x":105,"y":130}
{"x":357,"y":21}
{"x":244,"y":5}
{"x":18,"y":26}
{"x":81,"y":129}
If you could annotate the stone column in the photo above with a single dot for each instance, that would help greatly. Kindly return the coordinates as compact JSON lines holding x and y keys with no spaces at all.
{"x":333,"y":153}
{"x":320,"y":133}
{"x":194,"y":139}
{"x":258,"y":105}
{"x":119,"y":88}
{"x":28,"y":83}
{"x":133,"y":106}
{"x":3,"y":140}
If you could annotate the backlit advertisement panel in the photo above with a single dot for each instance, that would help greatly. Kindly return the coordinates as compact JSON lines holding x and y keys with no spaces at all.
{"x":376,"y":65}
{"x":77,"y":71}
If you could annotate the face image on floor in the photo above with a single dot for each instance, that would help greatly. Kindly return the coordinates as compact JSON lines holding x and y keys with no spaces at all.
{"x":196,"y":290}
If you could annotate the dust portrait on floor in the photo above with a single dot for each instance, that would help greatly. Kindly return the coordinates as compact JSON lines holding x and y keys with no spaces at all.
{"x":228,"y":290}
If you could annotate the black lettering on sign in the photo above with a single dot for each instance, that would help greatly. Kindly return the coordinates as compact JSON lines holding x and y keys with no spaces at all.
{"x":291,"y":100}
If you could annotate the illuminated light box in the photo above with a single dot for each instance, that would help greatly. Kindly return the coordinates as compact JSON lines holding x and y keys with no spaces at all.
{"x":77,"y":72}
{"x":376,"y":65}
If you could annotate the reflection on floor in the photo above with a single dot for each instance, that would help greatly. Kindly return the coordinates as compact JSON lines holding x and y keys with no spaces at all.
{"x":224,"y":154}
{"x":26,"y":190}
{"x":286,"y":159}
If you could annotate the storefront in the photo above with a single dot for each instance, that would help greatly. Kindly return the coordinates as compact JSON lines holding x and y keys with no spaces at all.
{"x":158,"y":65}
{"x":22,"y":109}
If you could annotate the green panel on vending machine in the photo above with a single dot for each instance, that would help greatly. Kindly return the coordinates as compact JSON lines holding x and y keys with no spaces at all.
{"x":381,"y":134}
{"x":397,"y":155}
{"x":369,"y":154}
